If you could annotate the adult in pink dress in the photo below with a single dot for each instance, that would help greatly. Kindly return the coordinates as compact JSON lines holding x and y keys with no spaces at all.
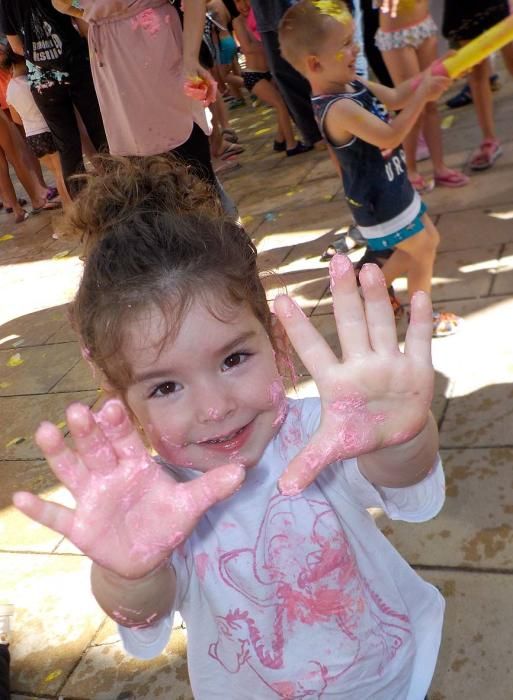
{"x":140,"y":56}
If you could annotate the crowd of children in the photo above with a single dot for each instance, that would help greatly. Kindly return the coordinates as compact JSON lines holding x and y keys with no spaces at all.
{"x":242,"y":509}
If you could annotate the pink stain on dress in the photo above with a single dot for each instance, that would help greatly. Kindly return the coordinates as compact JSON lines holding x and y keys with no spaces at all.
{"x":147,"y":20}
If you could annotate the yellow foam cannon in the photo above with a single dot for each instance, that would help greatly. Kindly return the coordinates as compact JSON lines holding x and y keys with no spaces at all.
{"x":476,"y":50}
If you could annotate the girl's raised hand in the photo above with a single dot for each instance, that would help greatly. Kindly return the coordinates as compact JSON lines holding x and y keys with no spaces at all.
{"x":130,"y":513}
{"x":376,"y":396}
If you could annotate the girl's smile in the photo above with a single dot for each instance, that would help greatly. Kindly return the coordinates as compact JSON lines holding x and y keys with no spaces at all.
{"x":207,"y":396}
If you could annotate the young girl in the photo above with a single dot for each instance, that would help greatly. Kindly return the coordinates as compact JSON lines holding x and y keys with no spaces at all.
{"x":318,"y":40}
{"x":252,"y":518}
{"x":464,"y":21}
{"x":258,"y":81}
{"x":24,"y":111}
{"x":408,"y":43}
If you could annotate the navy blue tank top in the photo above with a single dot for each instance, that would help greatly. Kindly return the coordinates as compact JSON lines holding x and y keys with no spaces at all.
{"x":376,"y":185}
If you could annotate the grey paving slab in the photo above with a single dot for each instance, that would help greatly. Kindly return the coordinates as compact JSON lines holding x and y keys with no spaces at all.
{"x":476,"y":656}
{"x":475,"y":526}
{"x":106,"y":671}
{"x":55,"y":617}
{"x":17,"y":532}
{"x":482,"y":418}
{"x":32,"y":329}
{"x":473,"y":228}
{"x":79,"y":378}
{"x":35,"y":370}
{"x":503,"y":274}
{"x":22,"y":414}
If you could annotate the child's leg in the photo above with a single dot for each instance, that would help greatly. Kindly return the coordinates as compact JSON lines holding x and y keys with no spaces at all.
{"x":53,"y":162}
{"x":421,"y":251}
{"x":267,"y":92}
{"x":479,"y":80}
{"x":403,"y":64}
{"x":507,"y":55}
{"x":427,"y":53}
{"x":7,"y":189}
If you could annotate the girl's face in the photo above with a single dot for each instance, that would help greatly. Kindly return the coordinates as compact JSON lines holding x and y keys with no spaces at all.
{"x":212,"y":395}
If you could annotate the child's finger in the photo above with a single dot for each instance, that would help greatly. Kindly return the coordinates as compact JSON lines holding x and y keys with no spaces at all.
{"x":420,"y":329}
{"x":121,"y":433}
{"x":49,"y":514}
{"x":313,"y":350}
{"x":212,"y":487}
{"x":91,"y":443}
{"x":306,"y":465}
{"x":62,"y":460}
{"x":348,"y":307}
{"x":378,"y":310}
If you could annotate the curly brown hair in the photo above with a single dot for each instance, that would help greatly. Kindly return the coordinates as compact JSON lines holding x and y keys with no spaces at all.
{"x":154,"y":236}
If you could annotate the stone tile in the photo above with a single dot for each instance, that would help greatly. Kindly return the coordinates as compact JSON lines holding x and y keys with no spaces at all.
{"x":503,"y":281}
{"x":17,"y":532}
{"x":464,"y":273}
{"x":65,"y":334}
{"x":318,"y":217}
{"x":79,"y":378}
{"x":42,"y":367}
{"x":55,"y":618}
{"x":106,"y":671}
{"x":33,"y":329}
{"x":461,"y":230}
{"x":305,"y":286}
{"x":475,"y":526}
{"x":278,"y":198}
{"x":22,"y":414}
{"x":480,"y":353}
{"x":54,"y":283}
{"x":475,"y":659}
{"x":481,"y":419}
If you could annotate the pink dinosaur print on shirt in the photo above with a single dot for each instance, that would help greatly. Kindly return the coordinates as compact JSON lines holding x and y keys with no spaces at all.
{"x":312,"y":617}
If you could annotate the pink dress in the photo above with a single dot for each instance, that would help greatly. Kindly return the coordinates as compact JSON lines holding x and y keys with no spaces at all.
{"x":136,"y":61}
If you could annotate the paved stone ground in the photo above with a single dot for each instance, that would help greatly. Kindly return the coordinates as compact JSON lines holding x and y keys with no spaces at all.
{"x":63,"y":645}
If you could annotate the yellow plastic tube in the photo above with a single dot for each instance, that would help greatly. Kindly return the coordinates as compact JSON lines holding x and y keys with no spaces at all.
{"x":480,"y":48}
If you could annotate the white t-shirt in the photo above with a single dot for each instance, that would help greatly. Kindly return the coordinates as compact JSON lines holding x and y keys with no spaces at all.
{"x":19,"y":96}
{"x":296,"y":597}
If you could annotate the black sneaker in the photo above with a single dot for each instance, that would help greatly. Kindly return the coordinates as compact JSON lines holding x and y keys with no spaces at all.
{"x":298,"y":149}
{"x":279,"y":146}
{"x":461,"y":99}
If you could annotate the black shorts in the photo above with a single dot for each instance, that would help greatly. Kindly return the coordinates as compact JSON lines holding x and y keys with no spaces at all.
{"x":42,"y":144}
{"x":252,"y":77}
{"x":467,"y":19}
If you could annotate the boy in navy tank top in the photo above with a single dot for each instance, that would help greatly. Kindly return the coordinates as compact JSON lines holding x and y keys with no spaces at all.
{"x":316,"y":37}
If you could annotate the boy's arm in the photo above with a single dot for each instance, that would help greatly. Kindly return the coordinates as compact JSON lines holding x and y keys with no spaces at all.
{"x":405,"y":464}
{"x":346,"y":118}
{"x":134,"y":602}
{"x":396,"y":97}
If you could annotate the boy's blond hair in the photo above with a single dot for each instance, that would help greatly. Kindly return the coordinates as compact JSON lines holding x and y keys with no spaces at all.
{"x":306,"y":26}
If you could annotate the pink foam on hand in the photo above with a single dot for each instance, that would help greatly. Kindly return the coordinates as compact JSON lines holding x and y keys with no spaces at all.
{"x":339,"y":266}
{"x":437,"y":68}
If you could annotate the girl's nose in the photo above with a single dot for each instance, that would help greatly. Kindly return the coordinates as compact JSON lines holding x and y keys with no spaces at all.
{"x":214,"y":405}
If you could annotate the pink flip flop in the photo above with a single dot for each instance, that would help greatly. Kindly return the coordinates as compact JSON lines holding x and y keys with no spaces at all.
{"x":452,"y":178}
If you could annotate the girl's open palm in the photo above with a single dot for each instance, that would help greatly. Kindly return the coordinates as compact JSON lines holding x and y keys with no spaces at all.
{"x":376,"y":396}
{"x":130,"y":513}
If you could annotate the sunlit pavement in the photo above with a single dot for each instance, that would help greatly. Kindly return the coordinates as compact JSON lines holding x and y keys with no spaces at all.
{"x":63,"y":645}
